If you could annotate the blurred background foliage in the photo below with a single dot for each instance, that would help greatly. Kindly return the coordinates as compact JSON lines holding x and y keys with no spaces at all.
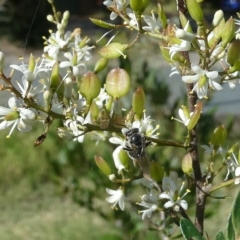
{"x":55,"y":191}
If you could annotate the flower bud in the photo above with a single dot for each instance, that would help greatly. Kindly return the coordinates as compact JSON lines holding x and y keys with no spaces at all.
{"x":100,"y":65}
{"x":117,"y":83}
{"x":31,"y":63}
{"x":68,"y":86}
{"x":162,"y":15}
{"x":102,"y":165}
{"x":219,"y":136}
{"x":187,"y":164}
{"x":181,"y":34}
{"x":233,"y":52}
{"x":218,"y":30}
{"x":94,"y":111}
{"x":2,"y":61}
{"x":228,"y":32}
{"x":218,"y":16}
{"x":90,"y":86}
{"x":113,"y":50}
{"x":156,"y":171}
{"x":50,"y":18}
{"x":195,"y":11}
{"x":235,"y":67}
{"x":138,"y":102}
{"x":60,"y":89}
{"x":124,"y":158}
{"x":66,"y":15}
{"x":47,"y":96}
{"x":195,"y":116}
{"x":138,"y":6}
{"x":54,"y":79}
{"x":102,"y":24}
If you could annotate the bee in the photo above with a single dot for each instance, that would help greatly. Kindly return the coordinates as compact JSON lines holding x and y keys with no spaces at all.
{"x":135,"y":143}
{"x":136,"y":146}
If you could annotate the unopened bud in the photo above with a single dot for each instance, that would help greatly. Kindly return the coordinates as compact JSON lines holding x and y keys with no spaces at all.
{"x":233,"y":52}
{"x":195,"y":11}
{"x":102,"y":165}
{"x":218,"y":16}
{"x":219,"y":136}
{"x":138,"y":102}
{"x":47,"y":96}
{"x":187,"y":164}
{"x":54,"y":79}
{"x":195,"y":116}
{"x":66,"y":15}
{"x":228,"y":32}
{"x":90,"y":86}
{"x":117,"y":83}
{"x":100,"y":65}
{"x":50,"y":18}
{"x":68,"y":86}
{"x":138,"y":6}
{"x":161,"y":15}
{"x":113,"y":50}
{"x":94,"y":111}
{"x":102,"y":24}
{"x":181,"y":34}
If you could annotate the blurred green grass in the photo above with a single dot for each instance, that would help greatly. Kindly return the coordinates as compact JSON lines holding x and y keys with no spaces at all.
{"x":32,"y":207}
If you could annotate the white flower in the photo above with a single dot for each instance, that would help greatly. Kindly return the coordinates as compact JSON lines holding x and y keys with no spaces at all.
{"x":83,"y":52}
{"x":133,"y":22}
{"x":153,"y":24}
{"x":232,"y":79}
{"x":74,"y":62}
{"x":172,"y":194}
{"x":117,"y":197}
{"x":56,"y":42}
{"x":184,"y":45}
{"x":184,"y":115}
{"x":15,"y":116}
{"x":149,"y":201}
{"x":30,"y":75}
{"x":145,"y":126}
{"x":119,"y":5}
{"x":74,"y":128}
{"x":150,"y":209}
{"x":203,"y":80}
{"x":102,"y":98}
{"x":233,"y":167}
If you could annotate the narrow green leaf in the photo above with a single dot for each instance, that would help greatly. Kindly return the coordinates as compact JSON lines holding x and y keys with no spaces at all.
{"x":236,"y":216}
{"x":189,"y":231}
{"x":230,"y":230}
{"x":220,"y":236}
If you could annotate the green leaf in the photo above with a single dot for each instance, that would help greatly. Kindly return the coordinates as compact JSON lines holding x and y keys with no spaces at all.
{"x":236,"y":216}
{"x":230,"y":230}
{"x":220,"y":236}
{"x":189,"y":231}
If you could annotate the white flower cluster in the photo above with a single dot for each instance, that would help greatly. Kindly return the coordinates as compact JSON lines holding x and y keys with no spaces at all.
{"x":152,"y":201}
{"x":49,"y":86}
